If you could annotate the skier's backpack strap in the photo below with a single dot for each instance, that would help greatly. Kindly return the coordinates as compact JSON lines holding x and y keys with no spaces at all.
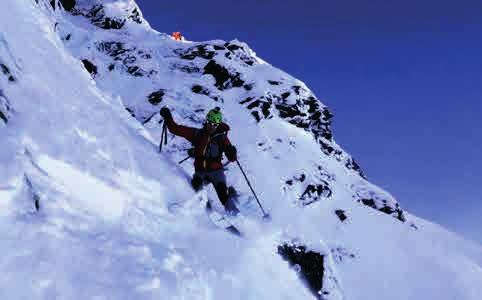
{"x":197,"y":136}
{"x":223,"y":134}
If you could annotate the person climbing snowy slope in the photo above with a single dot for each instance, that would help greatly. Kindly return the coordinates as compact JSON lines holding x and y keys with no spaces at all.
{"x":209,"y":142}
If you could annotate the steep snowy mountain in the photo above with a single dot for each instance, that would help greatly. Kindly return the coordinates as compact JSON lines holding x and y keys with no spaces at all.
{"x":82,"y":83}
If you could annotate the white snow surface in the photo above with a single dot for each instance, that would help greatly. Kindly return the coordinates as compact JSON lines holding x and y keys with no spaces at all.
{"x":119,"y":220}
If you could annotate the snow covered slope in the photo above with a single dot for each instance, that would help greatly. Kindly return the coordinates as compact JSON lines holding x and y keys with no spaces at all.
{"x":80,"y":93}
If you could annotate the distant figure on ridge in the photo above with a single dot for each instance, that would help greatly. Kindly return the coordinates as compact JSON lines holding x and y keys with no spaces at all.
{"x":177,"y":36}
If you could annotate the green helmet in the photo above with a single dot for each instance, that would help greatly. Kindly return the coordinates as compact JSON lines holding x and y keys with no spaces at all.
{"x":215,"y":116}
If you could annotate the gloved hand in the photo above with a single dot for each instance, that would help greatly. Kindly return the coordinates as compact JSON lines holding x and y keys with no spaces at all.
{"x":191,"y":152}
{"x":165,"y":113}
{"x":231,"y":153}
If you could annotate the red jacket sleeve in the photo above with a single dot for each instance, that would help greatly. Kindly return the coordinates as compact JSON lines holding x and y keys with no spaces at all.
{"x":183,"y":131}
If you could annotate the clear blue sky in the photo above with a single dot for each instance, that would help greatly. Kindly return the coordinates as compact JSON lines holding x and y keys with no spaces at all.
{"x":403,"y":78}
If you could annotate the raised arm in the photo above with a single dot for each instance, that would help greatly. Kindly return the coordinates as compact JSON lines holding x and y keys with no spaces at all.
{"x":180,"y":130}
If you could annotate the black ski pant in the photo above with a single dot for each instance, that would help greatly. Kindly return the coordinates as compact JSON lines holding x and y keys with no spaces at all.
{"x":216,"y":178}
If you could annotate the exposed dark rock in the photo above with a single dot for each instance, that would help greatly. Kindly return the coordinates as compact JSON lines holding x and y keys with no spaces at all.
{"x":315,"y":192}
{"x":369,"y":202}
{"x":135,"y":71}
{"x":307,"y":113}
{"x":308,"y":264}
{"x":68,"y":4}
{"x":297,"y":89}
{"x":263,"y":105}
{"x":97,"y":16}
{"x":236,"y":81}
{"x":90,"y":67}
{"x":129,"y":60}
{"x":254,"y":104}
{"x":248,"y":87}
{"x":287,"y":111}
{"x":198,"y":89}
{"x":131,"y":112}
{"x":144,"y":55}
{"x":396,"y":211}
{"x":135,"y":16}
{"x":33,"y":193}
{"x":274,"y":82}
{"x":341,"y":214}
{"x":246,"y":100}
{"x":4,"y":107}
{"x":327,"y":135}
{"x":113,"y":49}
{"x":353,"y":165}
{"x":328,"y":149}
{"x":300,"y":178}
{"x":127,"y":57}
{"x":325,"y":174}
{"x":3,"y":117}
{"x":238,"y":52}
{"x":186,"y":68}
{"x":327,"y":115}
{"x":285,"y":95}
{"x":156,"y":97}
{"x":255,"y":114}
{"x":232,"y":47}
{"x":224,"y":79}
{"x":387,"y":209}
{"x":6,"y":72}
{"x":203,"y":51}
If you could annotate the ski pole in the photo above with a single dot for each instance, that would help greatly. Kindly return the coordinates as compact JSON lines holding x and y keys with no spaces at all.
{"x":190,"y":153}
{"x":185,"y":159}
{"x":163,"y":136}
{"x":265,"y":215}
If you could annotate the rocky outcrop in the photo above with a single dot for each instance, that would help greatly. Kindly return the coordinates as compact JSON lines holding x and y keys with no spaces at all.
{"x":156,"y":97}
{"x":4,"y":108}
{"x":126,"y":57}
{"x":379,"y":200}
{"x":224,"y":78}
{"x":68,"y":4}
{"x":90,"y":67}
{"x":6,"y":72}
{"x":308,"y":264}
{"x":96,"y":12}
